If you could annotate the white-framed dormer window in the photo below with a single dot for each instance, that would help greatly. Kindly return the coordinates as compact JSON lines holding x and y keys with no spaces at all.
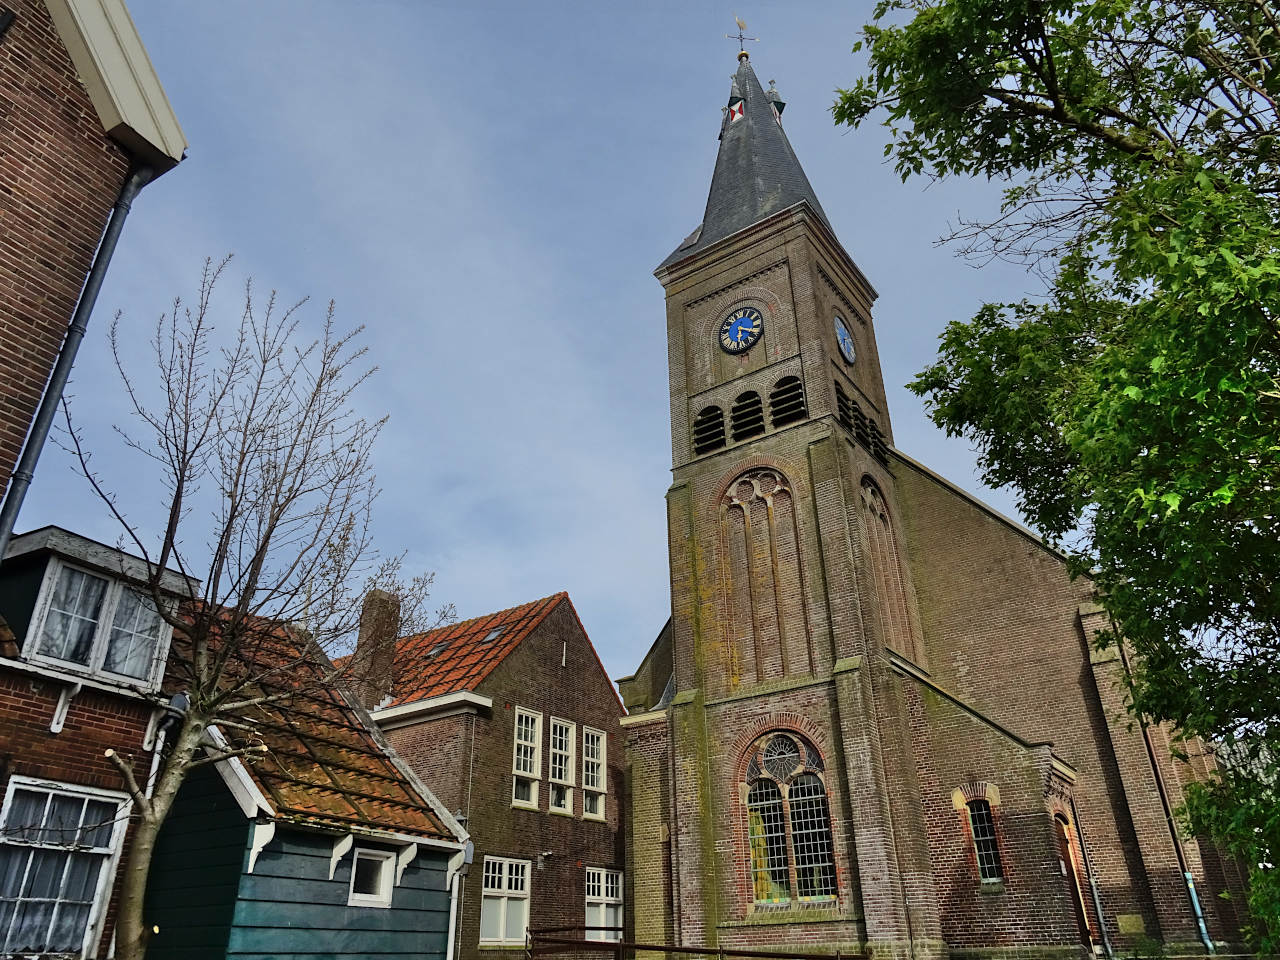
{"x":604,"y":904}
{"x":59,"y":845}
{"x":561,"y":767}
{"x":87,"y":622}
{"x":594,"y":784}
{"x":504,"y":904}
{"x":526,"y":761}
{"x":372,"y":878}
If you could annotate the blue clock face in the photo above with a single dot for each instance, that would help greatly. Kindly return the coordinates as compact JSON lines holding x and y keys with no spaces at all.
{"x":741,"y":329}
{"x":845,"y":339}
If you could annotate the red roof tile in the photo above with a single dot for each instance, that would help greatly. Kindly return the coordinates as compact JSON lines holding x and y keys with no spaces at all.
{"x":325,"y":765}
{"x":461,"y":655}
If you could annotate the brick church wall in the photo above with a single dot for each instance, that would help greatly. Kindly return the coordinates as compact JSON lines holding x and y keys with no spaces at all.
{"x":59,"y":176}
{"x":995,"y":605}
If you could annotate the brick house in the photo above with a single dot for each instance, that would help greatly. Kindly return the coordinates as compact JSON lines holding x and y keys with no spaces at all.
{"x":81,"y":110}
{"x":80,"y":673}
{"x":84,"y":123}
{"x":876,"y":719}
{"x":512,"y":722}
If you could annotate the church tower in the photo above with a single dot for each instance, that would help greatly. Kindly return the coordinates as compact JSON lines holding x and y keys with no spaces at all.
{"x":875,"y":720}
{"x":786,"y":583}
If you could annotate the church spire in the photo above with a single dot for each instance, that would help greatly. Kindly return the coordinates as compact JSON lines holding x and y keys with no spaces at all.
{"x":757,"y":173}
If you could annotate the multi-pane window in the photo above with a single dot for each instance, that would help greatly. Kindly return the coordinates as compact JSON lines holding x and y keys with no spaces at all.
{"x":983,"y":826}
{"x":504,"y":906}
{"x":56,"y":844}
{"x":561,"y":771}
{"x":790,"y":851}
{"x":593,"y":773}
{"x":604,"y":904}
{"x":526,"y":763}
{"x":96,"y":624}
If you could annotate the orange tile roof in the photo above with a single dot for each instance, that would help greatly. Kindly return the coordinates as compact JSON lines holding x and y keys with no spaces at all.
{"x":460,"y":655}
{"x":325,"y":764}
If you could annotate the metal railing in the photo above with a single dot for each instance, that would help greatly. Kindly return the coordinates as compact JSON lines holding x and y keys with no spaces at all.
{"x":548,"y":940}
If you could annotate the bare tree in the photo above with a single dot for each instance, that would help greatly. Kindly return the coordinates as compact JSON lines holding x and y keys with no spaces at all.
{"x":269,"y":489}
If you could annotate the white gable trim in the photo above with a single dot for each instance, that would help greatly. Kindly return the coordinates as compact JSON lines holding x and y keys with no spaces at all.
{"x":113,"y":65}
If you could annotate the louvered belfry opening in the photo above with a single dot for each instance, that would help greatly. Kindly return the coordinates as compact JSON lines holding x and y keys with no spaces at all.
{"x":786,"y":402}
{"x":747,"y":416}
{"x":865,"y":430}
{"x":708,"y":431}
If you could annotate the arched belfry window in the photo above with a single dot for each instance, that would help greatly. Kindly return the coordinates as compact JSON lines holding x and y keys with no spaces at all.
{"x":708,"y":430}
{"x":897,"y":628}
{"x":747,"y":416}
{"x":790,"y":855}
{"x":786,"y":402}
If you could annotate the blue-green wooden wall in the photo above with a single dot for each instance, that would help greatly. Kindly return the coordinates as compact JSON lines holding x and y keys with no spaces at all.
{"x":195,"y":871}
{"x":209,"y":908}
{"x":289,"y":908}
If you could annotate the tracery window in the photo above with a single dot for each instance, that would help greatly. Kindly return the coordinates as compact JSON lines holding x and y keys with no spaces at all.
{"x":790,"y":851}
{"x":899,"y":631}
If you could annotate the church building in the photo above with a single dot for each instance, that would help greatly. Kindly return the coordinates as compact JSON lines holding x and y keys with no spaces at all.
{"x":876,"y":720}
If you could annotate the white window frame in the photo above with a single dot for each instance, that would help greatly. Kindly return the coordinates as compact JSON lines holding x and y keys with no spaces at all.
{"x":602,"y":899}
{"x":102,"y":632}
{"x":517,"y":774}
{"x":386,"y":879}
{"x":107,"y":875}
{"x":504,"y":895}
{"x":602,"y":774}
{"x":570,"y":765}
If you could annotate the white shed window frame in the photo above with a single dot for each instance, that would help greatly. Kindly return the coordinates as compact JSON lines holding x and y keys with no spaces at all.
{"x":597,"y":894}
{"x":595,"y":793}
{"x":386,"y":878}
{"x":533,"y":773}
{"x":503,"y":895}
{"x":107,"y":875}
{"x":102,"y":631}
{"x":567,"y":758}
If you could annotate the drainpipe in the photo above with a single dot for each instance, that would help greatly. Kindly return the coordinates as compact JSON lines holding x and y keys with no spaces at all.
{"x":21,"y":480}
{"x":1093,"y":881}
{"x":1187,"y":878}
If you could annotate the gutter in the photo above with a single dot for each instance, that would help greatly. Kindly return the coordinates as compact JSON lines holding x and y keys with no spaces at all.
{"x":138,"y":178}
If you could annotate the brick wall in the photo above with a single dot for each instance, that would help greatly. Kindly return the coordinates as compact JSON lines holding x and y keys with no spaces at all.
{"x":1014,"y":613}
{"x":95,"y":722}
{"x":559,"y":847}
{"x":59,"y":176}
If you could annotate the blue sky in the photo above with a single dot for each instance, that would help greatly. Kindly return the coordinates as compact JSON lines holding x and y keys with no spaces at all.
{"x":488,"y":188}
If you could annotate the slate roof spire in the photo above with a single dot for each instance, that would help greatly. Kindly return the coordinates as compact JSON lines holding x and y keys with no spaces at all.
{"x":757,"y":173}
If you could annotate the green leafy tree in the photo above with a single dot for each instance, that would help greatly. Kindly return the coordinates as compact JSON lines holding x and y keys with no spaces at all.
{"x":1132,"y":409}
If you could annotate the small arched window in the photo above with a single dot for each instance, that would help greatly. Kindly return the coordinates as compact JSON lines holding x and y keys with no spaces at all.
{"x":786,"y":402}
{"x":708,"y":431}
{"x":791,"y":855}
{"x":982,"y":826}
{"x":747,"y":416}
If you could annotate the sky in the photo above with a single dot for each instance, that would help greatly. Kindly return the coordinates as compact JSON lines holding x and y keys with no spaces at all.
{"x":487,"y":187}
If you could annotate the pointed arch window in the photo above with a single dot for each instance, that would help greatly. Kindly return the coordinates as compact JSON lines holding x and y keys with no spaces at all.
{"x":791,"y":854}
{"x":786,"y":402}
{"x":708,"y":431}
{"x":747,"y":416}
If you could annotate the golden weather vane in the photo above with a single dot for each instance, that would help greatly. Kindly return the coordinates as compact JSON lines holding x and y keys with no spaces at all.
{"x":741,"y":36}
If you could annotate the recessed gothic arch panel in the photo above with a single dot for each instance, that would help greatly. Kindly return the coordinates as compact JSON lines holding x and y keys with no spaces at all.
{"x":768,"y":628}
{"x":897,"y":627}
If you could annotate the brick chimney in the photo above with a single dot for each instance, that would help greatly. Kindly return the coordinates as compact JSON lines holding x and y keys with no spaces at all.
{"x":373,"y":668}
